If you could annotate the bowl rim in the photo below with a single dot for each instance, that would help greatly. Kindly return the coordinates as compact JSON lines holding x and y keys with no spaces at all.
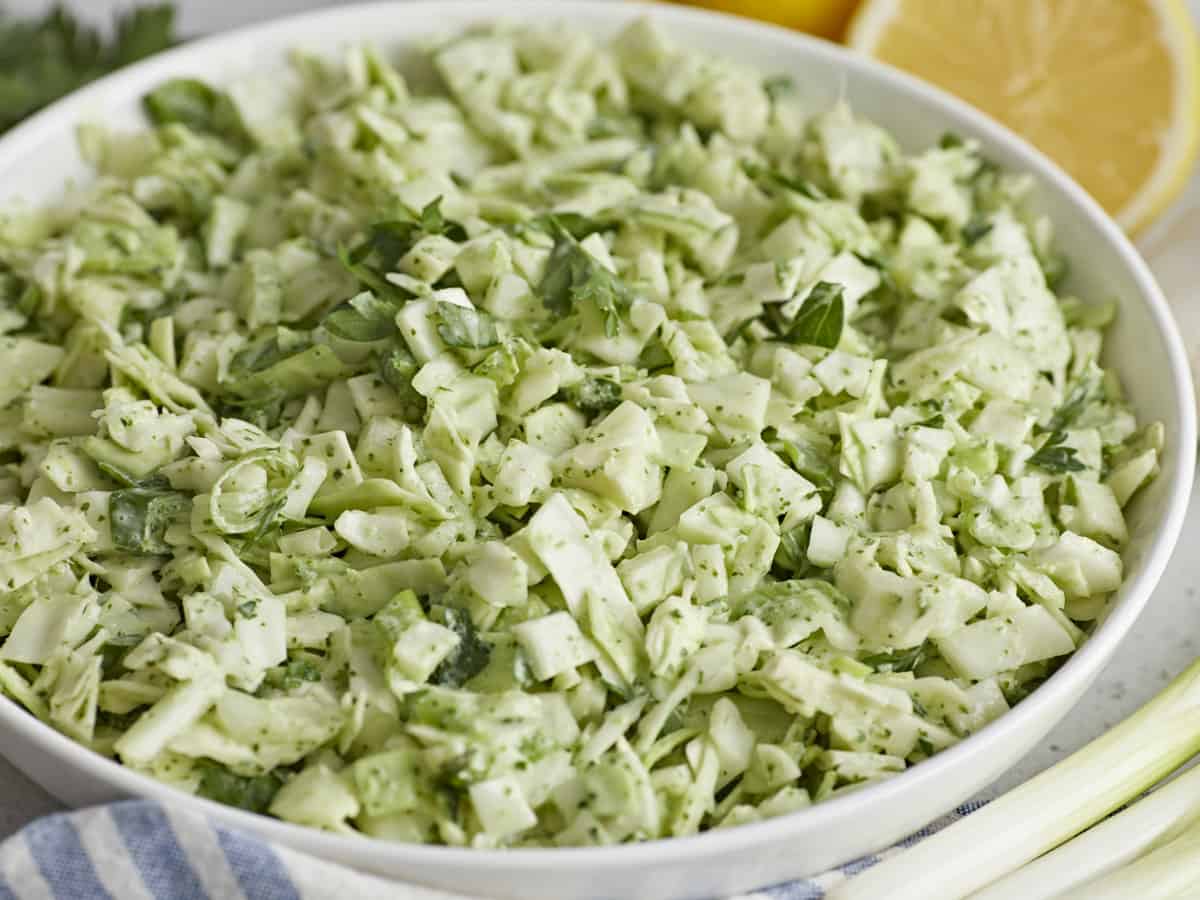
{"x":1063,"y":687}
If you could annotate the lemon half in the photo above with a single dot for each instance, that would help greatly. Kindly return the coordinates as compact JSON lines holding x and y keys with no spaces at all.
{"x":1109,"y":89}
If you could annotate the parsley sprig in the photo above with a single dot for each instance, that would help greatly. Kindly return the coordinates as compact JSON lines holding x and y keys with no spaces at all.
{"x":44,"y":59}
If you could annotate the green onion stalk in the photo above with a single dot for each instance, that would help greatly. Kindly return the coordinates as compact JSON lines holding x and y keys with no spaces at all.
{"x":979,"y":852}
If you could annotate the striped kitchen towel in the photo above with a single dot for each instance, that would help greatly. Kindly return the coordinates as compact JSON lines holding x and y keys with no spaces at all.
{"x":138,"y":850}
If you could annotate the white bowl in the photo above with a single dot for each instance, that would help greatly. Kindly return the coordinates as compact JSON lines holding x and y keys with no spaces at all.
{"x":38,"y":157}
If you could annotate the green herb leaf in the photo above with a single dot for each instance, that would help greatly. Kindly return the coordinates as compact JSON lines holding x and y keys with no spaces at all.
{"x":975,"y":230}
{"x":791,"y":556}
{"x":1066,"y":415}
{"x":374,"y":278}
{"x":432,"y":221}
{"x":120,"y":476}
{"x":112,"y":654}
{"x":778,"y":86}
{"x":811,"y":465}
{"x":896,"y":660}
{"x":267,"y":518}
{"x":1056,"y":457}
{"x":502,"y":365}
{"x":140,"y":516}
{"x":471,"y":655}
{"x":594,"y":396}
{"x":363,"y":318}
{"x":392,"y":238}
{"x":253,"y":793}
{"x":821,"y":318}
{"x":397,"y":368}
{"x":298,"y":672}
{"x":771,"y":179}
{"x":199,"y":106}
{"x":577,"y":225}
{"x":142,"y":31}
{"x":463,"y":327}
{"x":573,"y":276}
{"x":41,"y":60}
{"x":291,"y":376}
{"x":389,"y":240}
{"x":1056,"y":268}
{"x":248,"y":609}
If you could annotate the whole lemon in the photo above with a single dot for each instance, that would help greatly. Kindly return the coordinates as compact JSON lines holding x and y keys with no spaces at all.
{"x":826,"y":18}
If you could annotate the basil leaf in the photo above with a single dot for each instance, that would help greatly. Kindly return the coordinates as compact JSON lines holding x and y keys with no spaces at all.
{"x":460,"y":326}
{"x":821,"y":318}
{"x":139,"y":517}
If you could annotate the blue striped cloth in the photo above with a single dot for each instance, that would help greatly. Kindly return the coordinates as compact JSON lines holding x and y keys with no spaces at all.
{"x":138,"y":850}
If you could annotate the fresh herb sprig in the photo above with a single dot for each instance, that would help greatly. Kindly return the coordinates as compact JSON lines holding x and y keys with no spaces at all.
{"x":44,"y":59}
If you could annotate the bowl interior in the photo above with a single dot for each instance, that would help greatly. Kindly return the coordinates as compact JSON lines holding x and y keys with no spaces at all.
{"x":36,"y":160}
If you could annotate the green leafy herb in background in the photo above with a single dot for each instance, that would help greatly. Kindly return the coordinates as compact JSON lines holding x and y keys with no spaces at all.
{"x":43,"y":59}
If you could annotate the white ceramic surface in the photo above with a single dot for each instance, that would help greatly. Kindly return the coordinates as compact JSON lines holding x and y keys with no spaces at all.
{"x":37,"y":158}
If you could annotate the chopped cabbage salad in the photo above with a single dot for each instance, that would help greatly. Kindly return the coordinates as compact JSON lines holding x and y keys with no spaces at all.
{"x":597,"y":444}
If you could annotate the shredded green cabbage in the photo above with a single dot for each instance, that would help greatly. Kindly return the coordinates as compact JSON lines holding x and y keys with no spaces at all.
{"x":607,"y":447}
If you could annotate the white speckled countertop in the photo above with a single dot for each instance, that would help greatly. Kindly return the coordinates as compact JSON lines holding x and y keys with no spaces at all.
{"x":1164,"y":641}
